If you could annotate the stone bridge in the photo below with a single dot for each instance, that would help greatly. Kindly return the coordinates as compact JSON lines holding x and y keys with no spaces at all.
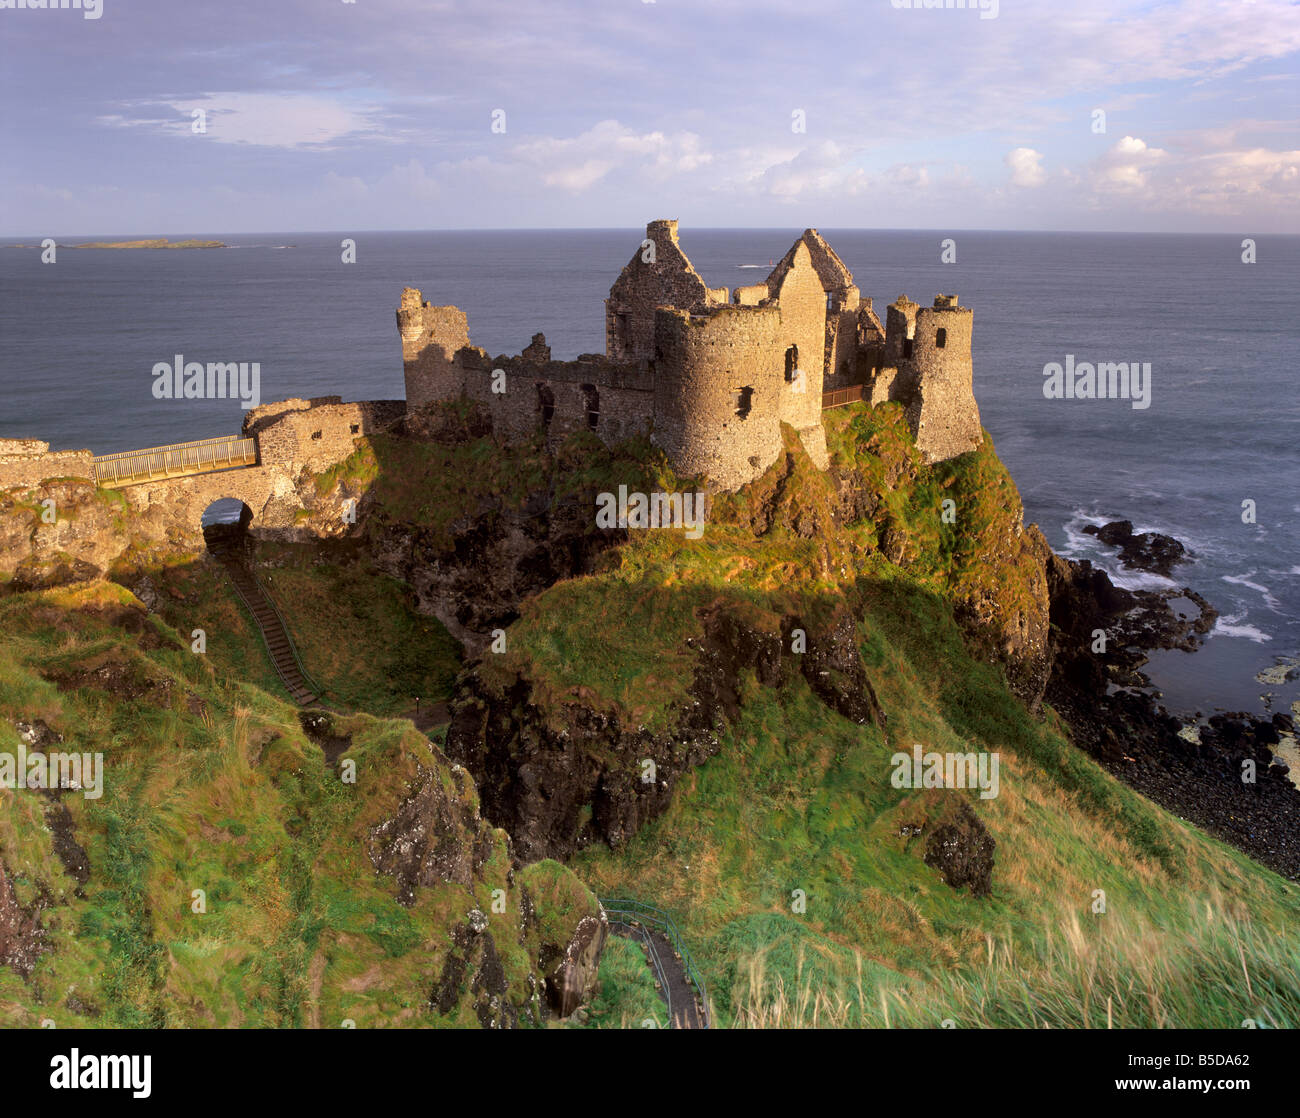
{"x":269,"y":466}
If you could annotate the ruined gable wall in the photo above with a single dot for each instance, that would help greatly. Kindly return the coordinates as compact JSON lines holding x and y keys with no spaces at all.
{"x":803,"y":325}
{"x":704,"y":361}
{"x":670,"y":281}
{"x":431,"y":337}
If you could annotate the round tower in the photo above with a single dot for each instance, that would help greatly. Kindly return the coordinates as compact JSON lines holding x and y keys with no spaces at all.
{"x":719,"y":382}
{"x":944,"y":417}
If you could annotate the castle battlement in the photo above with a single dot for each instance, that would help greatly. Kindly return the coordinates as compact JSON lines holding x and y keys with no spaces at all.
{"x":709,"y":376}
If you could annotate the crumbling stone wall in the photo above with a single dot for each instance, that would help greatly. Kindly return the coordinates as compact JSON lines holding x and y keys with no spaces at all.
{"x":30,"y":461}
{"x":431,"y":337}
{"x":670,"y":281}
{"x":713,"y":395}
{"x":612,"y":399}
{"x":318,"y":433}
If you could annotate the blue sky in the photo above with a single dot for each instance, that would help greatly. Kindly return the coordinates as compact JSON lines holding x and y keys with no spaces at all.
{"x":378,"y":114}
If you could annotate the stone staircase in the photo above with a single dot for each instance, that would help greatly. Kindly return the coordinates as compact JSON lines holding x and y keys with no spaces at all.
{"x":279,"y":645}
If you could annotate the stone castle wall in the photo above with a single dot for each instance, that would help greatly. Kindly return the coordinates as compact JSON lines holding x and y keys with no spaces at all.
{"x":318,"y":433}
{"x":706,"y":378}
{"x":30,"y":461}
{"x":802,"y":304}
{"x":431,"y":338}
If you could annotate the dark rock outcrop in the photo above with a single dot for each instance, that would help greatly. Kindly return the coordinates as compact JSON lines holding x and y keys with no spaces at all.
{"x":1145,"y":551}
{"x":960,"y":847}
{"x":557,"y":788}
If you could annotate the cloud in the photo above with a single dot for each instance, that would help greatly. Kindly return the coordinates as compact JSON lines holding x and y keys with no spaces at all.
{"x":283,"y":120}
{"x":1026,"y":167}
{"x":1126,"y":166}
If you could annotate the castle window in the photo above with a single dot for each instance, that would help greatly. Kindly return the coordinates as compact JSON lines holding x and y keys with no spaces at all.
{"x":545,"y":403}
{"x":830,"y":301}
{"x":623,"y":328}
{"x":941,"y":338}
{"x":791,"y":363}
{"x":356,"y":428}
{"x":315,"y":434}
{"x":744,"y":401}
{"x":907,"y":349}
{"x":591,"y":400}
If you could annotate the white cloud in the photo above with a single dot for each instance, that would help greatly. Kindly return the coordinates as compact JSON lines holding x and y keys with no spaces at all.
{"x":284,"y":120}
{"x":1026,"y":167}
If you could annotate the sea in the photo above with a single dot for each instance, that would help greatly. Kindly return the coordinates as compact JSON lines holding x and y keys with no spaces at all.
{"x":1213,"y":461}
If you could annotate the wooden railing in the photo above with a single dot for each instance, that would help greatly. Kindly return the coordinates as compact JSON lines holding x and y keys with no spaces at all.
{"x":177,"y":460}
{"x":837,"y":397}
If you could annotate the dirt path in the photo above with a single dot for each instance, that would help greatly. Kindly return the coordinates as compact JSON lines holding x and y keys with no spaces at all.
{"x":677,"y":990}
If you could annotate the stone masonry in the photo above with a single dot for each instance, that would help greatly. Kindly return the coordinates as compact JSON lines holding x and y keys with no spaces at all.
{"x":708,"y":378}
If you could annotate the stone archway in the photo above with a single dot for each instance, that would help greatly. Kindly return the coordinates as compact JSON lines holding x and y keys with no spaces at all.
{"x":224,"y":524}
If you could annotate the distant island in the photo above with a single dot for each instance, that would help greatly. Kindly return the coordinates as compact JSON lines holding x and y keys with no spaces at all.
{"x":156,"y":242}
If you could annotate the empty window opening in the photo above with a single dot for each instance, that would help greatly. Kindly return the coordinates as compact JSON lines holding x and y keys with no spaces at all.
{"x":791,"y":363}
{"x":315,"y":434}
{"x":545,"y":403}
{"x":591,"y":401}
{"x":623,"y":329}
{"x":356,"y":428}
{"x":941,"y":338}
{"x":744,"y":401}
{"x":907,"y":349}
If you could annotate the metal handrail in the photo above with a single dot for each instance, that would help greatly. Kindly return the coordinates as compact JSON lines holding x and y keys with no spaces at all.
{"x":293,"y":645}
{"x":197,"y":457}
{"x":649,"y":914}
{"x":655,"y":962}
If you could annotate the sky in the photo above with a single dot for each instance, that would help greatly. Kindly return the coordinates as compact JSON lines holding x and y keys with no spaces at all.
{"x":166,"y":117}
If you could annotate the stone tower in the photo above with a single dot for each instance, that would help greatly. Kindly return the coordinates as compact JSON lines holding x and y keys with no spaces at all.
{"x":718,"y":391}
{"x":942,"y":413}
{"x":431,"y":337}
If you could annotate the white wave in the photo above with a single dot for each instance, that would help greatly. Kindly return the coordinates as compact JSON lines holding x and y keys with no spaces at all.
{"x":1229,"y":626}
{"x":1140,"y":580}
{"x":1244,"y":580}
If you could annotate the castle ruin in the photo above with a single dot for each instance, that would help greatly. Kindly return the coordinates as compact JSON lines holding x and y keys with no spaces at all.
{"x":710,"y":379}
